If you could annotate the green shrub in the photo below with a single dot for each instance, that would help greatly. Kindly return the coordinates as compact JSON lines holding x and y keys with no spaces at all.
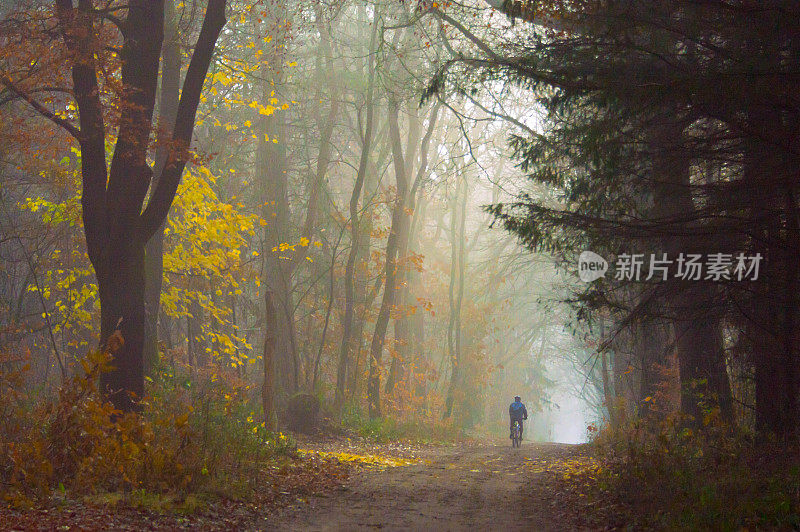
{"x":387,"y":429}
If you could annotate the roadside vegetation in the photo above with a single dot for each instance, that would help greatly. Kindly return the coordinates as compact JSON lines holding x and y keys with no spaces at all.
{"x":194,"y":440}
{"x":667,"y":476}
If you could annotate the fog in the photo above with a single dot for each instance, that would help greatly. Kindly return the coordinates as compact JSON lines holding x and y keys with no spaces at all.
{"x":332,"y":228}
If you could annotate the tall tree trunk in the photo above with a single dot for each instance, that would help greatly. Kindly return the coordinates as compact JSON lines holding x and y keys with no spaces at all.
{"x":323,"y":335}
{"x":608,"y":392}
{"x":623,"y":372}
{"x":773,"y":322}
{"x":120,"y":264}
{"x":116,"y":228}
{"x":346,"y":346}
{"x":651,"y":346}
{"x":421,"y":359}
{"x":121,"y":287}
{"x":402,"y":324}
{"x":701,"y":356}
{"x":698,"y":340}
{"x":168,"y":110}
{"x":270,"y":342}
{"x":398,"y":236}
{"x":456,"y":295}
{"x":609,"y":395}
{"x":195,"y":340}
{"x":272,"y":167}
{"x":362,"y":301}
{"x":416,"y":321}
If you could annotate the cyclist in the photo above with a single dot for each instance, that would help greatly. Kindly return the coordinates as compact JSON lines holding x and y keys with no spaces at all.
{"x":517,"y":412}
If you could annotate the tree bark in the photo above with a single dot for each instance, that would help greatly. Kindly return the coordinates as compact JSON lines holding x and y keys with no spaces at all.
{"x":773,"y":325}
{"x":402,"y":324}
{"x":270,"y":343}
{"x":120,"y":270}
{"x":154,"y":250}
{"x":701,"y":356}
{"x":116,"y":228}
{"x":272,"y":167}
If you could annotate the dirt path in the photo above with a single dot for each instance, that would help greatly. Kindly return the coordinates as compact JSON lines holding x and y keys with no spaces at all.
{"x":478,"y":488}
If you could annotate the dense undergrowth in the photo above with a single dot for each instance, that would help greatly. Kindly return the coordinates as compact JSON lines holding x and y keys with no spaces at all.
{"x":667,"y":476}
{"x":198,"y":437}
{"x":190,"y":442}
{"x":386,"y":429}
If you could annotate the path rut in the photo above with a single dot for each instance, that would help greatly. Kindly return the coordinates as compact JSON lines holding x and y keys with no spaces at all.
{"x":474,"y":488}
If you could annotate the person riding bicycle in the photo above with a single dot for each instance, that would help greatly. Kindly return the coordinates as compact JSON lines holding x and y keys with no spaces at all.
{"x":517,"y":412}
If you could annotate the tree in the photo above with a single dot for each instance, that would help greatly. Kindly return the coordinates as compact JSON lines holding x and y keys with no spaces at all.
{"x":672,"y":101}
{"x":168,"y":107}
{"x":346,"y":347}
{"x":116,"y":225}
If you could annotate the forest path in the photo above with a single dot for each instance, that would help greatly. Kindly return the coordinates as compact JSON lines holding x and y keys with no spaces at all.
{"x":485,"y":487}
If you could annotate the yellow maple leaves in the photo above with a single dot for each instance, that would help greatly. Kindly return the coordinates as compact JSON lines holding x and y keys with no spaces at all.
{"x":205,"y":239}
{"x":581,"y":466}
{"x":368,"y":460}
{"x":265,"y":109}
{"x":221,"y":77}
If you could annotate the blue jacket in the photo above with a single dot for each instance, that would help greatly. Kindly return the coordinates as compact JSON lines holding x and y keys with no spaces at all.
{"x":517,"y":411}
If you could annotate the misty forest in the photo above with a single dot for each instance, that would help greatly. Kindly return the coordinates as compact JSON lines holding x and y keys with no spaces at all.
{"x":284,"y":265}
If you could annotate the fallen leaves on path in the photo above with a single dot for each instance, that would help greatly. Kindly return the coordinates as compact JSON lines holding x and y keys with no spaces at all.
{"x":567,"y":468}
{"x":369,"y":460}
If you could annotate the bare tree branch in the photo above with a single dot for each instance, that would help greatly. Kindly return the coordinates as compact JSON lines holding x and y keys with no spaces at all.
{"x":41,"y":109}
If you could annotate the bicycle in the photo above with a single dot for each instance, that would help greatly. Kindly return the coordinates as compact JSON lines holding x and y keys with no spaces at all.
{"x":516,"y":434}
